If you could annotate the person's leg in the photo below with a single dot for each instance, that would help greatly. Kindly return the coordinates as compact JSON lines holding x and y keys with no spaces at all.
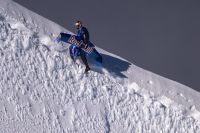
{"x":84,"y":59}
{"x":71,"y":52}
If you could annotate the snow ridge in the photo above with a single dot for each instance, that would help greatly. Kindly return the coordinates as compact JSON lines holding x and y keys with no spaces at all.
{"x":41,"y":90}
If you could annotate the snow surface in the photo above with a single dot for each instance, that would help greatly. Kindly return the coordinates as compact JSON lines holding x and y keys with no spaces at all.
{"x":42,"y":90}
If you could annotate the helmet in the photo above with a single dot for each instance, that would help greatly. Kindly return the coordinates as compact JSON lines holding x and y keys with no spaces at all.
{"x":78,"y":24}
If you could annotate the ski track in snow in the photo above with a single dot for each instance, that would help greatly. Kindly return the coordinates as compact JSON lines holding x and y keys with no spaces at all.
{"x":41,"y":90}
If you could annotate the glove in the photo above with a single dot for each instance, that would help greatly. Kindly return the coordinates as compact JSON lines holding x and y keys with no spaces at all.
{"x":85,"y":46}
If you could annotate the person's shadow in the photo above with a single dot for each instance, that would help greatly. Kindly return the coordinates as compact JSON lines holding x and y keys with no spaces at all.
{"x":114,"y":65}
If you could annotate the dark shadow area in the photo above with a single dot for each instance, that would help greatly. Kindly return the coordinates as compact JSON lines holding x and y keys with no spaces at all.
{"x":2,"y":18}
{"x":114,"y":65}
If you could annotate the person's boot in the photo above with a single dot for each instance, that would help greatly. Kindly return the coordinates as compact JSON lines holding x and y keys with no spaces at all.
{"x":83,"y":58}
{"x":87,"y":69}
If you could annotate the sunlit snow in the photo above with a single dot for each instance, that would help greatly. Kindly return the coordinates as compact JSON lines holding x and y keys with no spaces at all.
{"x":42,"y":90}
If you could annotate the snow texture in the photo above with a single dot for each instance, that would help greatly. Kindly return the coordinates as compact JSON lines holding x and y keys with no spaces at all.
{"x":43,"y":91}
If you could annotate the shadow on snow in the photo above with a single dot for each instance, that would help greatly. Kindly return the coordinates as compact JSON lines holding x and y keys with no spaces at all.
{"x":114,"y":65}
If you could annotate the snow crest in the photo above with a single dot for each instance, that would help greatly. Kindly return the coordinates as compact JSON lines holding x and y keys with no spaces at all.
{"x":41,"y":90}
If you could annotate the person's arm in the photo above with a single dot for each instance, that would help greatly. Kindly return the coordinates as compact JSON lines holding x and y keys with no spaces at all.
{"x":85,"y":36}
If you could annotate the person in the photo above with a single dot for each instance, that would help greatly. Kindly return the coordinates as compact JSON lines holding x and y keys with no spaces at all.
{"x":84,"y":35}
{"x":80,"y":46}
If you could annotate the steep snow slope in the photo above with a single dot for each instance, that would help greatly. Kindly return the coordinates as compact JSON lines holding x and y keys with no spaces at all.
{"x":41,"y":90}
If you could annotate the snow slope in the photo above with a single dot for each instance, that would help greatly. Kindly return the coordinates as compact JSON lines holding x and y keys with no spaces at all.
{"x":41,"y":90}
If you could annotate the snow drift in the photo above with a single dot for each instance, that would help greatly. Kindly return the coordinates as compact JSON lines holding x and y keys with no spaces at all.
{"x":42,"y":90}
